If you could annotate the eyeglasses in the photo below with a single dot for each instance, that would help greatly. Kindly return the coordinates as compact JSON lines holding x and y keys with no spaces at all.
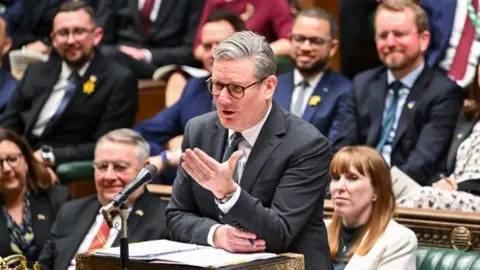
{"x":209,"y":46}
{"x":314,"y":41}
{"x":78,"y":33}
{"x":118,"y":167}
{"x":235,"y":90}
{"x":12,"y":160}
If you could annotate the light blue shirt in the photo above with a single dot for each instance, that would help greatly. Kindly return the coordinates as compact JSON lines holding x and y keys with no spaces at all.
{"x":407,"y":81}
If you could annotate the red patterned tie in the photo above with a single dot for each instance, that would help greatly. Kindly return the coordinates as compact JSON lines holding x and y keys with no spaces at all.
{"x":460,"y":60}
{"x":101,"y":237}
{"x":145,"y":14}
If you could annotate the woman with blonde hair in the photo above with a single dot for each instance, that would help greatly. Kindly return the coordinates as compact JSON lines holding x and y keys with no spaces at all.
{"x":362,"y":233}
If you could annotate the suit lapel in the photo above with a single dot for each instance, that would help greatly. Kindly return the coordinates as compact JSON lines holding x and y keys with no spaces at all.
{"x":283,"y":95}
{"x":217,"y":141}
{"x":43,"y":90}
{"x":462,"y":131}
{"x":41,"y":218}
{"x":377,"y":91}
{"x":418,"y":89}
{"x":266,"y":143}
{"x":321,"y":90}
{"x":165,"y":7}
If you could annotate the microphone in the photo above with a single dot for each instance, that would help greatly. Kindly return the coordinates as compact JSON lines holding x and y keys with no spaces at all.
{"x":144,"y":177}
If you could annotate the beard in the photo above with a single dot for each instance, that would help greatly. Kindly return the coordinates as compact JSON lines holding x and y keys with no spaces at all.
{"x":316,"y":67}
{"x":401,"y":64}
{"x":79,"y":62}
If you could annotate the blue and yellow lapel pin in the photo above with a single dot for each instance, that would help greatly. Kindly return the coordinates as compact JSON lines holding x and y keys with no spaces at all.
{"x":411,"y":105}
{"x":89,"y":86}
{"x":314,"y":100}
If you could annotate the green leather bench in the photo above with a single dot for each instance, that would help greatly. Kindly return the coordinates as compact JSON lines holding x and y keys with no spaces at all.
{"x":446,"y":259}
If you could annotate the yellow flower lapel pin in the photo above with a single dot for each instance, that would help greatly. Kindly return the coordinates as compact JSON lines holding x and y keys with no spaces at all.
{"x":41,"y":217}
{"x":139,"y":213}
{"x":314,"y":100}
{"x":89,"y":86}
{"x":411,"y":105}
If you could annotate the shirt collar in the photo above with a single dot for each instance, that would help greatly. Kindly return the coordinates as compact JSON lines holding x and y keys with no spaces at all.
{"x":409,"y":79}
{"x":298,"y":78}
{"x":251,"y":134}
{"x":67,"y":71}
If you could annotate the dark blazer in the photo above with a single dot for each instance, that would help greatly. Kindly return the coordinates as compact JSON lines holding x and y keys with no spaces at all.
{"x":441,"y":16}
{"x":44,"y":208}
{"x":282,"y":188}
{"x":327,"y":115}
{"x":86,"y":118}
{"x":171,"y":35}
{"x":170,"y":122}
{"x":76,"y":217}
{"x":425,"y":125}
{"x":462,"y":131}
{"x":7,"y":86}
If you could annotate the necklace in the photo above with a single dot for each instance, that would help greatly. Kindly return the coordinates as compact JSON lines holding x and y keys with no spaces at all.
{"x":473,"y":17}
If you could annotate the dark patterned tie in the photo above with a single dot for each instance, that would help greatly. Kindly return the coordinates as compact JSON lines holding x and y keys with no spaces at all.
{"x":390,"y":115}
{"x":233,"y":142}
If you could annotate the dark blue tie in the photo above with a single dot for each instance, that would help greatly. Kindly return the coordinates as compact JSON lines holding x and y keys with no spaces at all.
{"x":73,"y":81}
{"x":390,"y":115}
{"x":233,"y":142}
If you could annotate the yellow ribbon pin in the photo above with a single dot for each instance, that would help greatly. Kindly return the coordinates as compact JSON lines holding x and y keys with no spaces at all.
{"x":314,"y":100}
{"x":89,"y":86}
{"x":41,"y":217}
{"x":139,"y":213}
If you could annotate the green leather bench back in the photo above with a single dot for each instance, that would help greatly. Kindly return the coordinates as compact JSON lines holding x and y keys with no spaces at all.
{"x":447,"y":259}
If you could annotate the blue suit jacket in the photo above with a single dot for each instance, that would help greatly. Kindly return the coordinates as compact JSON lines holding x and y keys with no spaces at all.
{"x":170,"y":122}
{"x":327,"y":115}
{"x":7,"y":86}
{"x":441,"y":15}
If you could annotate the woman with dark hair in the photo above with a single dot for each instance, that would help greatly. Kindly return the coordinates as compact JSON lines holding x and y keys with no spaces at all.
{"x":362,"y":233}
{"x":28,"y":201}
{"x":457,"y":186}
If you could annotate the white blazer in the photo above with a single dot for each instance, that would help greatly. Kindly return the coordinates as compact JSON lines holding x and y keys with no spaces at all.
{"x":395,"y":249}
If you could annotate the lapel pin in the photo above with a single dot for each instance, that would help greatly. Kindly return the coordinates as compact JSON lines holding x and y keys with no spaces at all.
{"x":41,"y":217}
{"x":314,"y":100}
{"x":325,"y":90}
{"x":411,"y":104}
{"x":459,"y":135}
{"x":139,"y":213}
{"x":89,"y":86}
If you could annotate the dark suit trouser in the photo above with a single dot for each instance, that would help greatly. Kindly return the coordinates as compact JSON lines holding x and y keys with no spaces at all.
{"x":141,"y":69}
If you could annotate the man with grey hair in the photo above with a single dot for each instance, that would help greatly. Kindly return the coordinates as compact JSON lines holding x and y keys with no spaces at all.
{"x":80,"y":227}
{"x":252,"y":176}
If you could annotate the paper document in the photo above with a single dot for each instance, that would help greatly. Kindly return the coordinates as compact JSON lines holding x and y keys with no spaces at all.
{"x":165,"y":251}
{"x":149,"y":250}
{"x":402,"y":184}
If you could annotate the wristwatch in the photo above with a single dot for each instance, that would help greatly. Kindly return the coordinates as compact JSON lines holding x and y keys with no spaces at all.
{"x":46,"y":151}
{"x":225,"y":199}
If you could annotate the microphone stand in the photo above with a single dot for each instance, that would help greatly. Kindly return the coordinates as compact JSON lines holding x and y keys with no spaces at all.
{"x":123,"y":212}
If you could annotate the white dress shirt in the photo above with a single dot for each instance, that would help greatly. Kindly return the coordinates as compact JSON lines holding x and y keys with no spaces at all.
{"x":55,"y":98}
{"x":312,"y":84}
{"x":407,"y":81}
{"x":461,"y":15}
{"x":87,"y":241}
{"x":250,"y":137}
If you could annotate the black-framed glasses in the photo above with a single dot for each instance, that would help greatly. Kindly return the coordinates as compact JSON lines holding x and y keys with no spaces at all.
{"x":235,"y":90}
{"x":13,"y":160}
{"x":78,"y":32}
{"x":315,"y":41}
{"x":118,"y":167}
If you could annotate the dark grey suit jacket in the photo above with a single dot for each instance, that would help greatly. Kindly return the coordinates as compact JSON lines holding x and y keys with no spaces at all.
{"x":76,"y":217}
{"x":282,"y":187}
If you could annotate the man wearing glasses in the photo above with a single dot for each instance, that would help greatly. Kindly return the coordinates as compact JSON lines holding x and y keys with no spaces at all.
{"x":312,"y":91}
{"x":64,"y":105}
{"x":252,"y":176}
{"x":80,"y":227}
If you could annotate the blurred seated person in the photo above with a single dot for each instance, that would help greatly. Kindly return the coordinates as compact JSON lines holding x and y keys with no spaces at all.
{"x":80,"y":226}
{"x":313,"y":91}
{"x":29,"y":202}
{"x":195,"y":100}
{"x":64,"y":105}
{"x":457,"y":185}
{"x":7,"y":82}
{"x":147,"y":34}
{"x":404,"y":108}
{"x":272,"y":19}
{"x":12,"y":12}
{"x":362,"y":233}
